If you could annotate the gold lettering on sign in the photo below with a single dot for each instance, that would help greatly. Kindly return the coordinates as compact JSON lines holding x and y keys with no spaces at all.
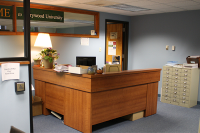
{"x":7,"y":12}
{"x":1,"y":11}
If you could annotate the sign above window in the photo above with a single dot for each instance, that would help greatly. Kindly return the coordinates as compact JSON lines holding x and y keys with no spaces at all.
{"x":6,"y":12}
{"x":42,"y":15}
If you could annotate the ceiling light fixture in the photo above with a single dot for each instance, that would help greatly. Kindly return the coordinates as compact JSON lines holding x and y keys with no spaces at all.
{"x":127,"y":7}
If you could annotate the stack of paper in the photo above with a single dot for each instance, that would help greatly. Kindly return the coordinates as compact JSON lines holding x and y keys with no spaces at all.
{"x":190,"y":65}
{"x":61,"y":68}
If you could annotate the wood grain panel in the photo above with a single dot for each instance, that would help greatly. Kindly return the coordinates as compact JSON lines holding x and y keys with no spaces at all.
{"x":78,"y":110}
{"x":104,"y":83}
{"x":152,"y":97}
{"x":21,"y":62}
{"x":112,"y":104}
{"x":114,"y":28}
{"x":55,"y":98}
{"x":40,"y":92}
{"x":67,"y":80}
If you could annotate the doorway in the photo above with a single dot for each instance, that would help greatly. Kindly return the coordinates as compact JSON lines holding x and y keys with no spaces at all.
{"x":116,"y":37}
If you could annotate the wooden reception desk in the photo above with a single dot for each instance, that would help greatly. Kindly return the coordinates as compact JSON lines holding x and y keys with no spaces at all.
{"x":86,"y":100}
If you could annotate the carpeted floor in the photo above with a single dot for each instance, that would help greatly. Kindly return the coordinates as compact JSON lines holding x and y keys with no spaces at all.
{"x":169,"y":119}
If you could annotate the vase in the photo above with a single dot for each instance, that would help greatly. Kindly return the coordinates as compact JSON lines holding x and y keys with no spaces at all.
{"x":90,"y":70}
{"x":37,"y":63}
{"x":47,"y":64}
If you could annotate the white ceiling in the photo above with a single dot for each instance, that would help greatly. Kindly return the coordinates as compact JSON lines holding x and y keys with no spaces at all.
{"x":156,"y":6}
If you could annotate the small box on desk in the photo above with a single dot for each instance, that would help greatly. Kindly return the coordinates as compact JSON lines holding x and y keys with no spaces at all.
{"x":193,"y":60}
{"x":36,"y":105}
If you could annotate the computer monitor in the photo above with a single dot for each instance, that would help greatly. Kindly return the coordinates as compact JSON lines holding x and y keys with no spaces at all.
{"x":86,"y":61}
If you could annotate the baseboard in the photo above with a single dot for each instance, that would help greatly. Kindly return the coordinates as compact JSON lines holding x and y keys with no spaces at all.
{"x":198,"y":102}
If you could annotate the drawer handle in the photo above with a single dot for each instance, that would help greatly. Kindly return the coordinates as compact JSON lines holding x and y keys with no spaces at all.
{"x":166,"y":91}
{"x":166,"y":98}
{"x":185,"y":74}
{"x":183,"y":97}
{"x":183,"y":101}
{"x":184,"y":86}
{"x":166,"y":87}
{"x":176,"y":77}
{"x":175,"y":96}
{"x":167,"y":80}
{"x":185,"y":70}
{"x":185,"y":82}
{"x":167,"y":76}
{"x":176,"y":73}
{"x":183,"y":94}
{"x":174,"y":100}
{"x":184,"y":90}
{"x":168,"y":69}
{"x":175,"y":88}
{"x":185,"y":78}
{"x":166,"y":94}
{"x":175,"y":92}
{"x":167,"y":72}
{"x":175,"y":85}
{"x":176,"y":81}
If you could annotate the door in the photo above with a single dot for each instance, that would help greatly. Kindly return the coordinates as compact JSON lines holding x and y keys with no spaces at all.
{"x":114,"y":36}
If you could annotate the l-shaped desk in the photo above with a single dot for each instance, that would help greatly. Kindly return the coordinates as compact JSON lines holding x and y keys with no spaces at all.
{"x":85,"y":100}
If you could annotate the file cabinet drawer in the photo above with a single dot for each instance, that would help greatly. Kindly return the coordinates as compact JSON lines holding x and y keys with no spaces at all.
{"x":175,"y":101}
{"x":167,"y":76}
{"x":167,"y":80}
{"x":185,"y":75}
{"x":166,"y":91}
{"x":185,"y":86}
{"x":166,"y":87}
{"x":185,"y":94}
{"x":166,"y":99}
{"x":185,"y":90}
{"x":176,"y":70}
{"x":167,"y":83}
{"x":184,"y":103}
{"x":184,"y":98}
{"x":167,"y":72}
{"x":185,"y":79}
{"x":175,"y":85}
{"x":175,"y":96}
{"x":176,"y":89}
{"x":166,"y":94}
{"x":176,"y":73}
{"x":176,"y":81}
{"x":176,"y":77}
{"x":186,"y":71}
{"x":185,"y":82}
{"x":167,"y":68}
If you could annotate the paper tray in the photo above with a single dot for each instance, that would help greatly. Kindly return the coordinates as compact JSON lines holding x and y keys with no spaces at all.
{"x":77,"y":70}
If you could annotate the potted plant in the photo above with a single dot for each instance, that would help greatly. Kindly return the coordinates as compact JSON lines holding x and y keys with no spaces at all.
{"x":48,"y":56}
{"x":37,"y":62}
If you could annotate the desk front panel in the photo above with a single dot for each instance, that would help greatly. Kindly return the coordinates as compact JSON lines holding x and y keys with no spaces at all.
{"x":116,"y":103}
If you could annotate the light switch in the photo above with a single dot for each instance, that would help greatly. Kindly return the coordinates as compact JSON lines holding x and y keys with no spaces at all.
{"x":173,"y":48}
{"x":99,"y":49}
{"x":167,"y":47}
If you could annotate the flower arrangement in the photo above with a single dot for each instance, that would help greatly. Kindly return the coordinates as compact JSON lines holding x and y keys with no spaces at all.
{"x":49,"y":54}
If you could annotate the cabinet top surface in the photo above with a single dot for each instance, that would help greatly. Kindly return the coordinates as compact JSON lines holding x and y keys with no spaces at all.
{"x":106,"y":74}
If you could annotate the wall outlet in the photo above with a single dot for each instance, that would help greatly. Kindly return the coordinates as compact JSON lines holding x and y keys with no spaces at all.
{"x":173,"y":48}
{"x":167,"y":47}
{"x":100,"y":49}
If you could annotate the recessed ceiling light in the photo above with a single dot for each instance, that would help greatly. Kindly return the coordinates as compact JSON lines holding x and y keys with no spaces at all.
{"x":127,"y":7}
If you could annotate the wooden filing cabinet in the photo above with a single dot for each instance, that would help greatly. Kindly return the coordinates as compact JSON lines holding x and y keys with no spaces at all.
{"x":180,"y":86}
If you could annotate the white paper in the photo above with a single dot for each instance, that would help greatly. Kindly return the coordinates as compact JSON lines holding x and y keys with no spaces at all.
{"x":112,"y":48}
{"x":85,"y":41}
{"x":10,"y":71}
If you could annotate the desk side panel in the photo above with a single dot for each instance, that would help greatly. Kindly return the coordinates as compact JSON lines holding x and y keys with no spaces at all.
{"x":116,"y":103}
{"x":40,"y":92}
{"x":55,"y":98}
{"x":152,"y":97}
{"x":78,"y":110}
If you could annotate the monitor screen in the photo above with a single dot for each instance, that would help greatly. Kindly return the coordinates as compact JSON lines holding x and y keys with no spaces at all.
{"x":86,"y":61}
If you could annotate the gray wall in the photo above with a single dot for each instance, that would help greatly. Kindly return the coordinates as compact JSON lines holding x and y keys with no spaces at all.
{"x":14,"y":110}
{"x":151,"y":33}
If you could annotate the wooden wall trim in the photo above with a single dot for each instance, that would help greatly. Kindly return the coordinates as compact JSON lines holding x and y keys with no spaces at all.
{"x":56,"y":8}
{"x":21,"y":62}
